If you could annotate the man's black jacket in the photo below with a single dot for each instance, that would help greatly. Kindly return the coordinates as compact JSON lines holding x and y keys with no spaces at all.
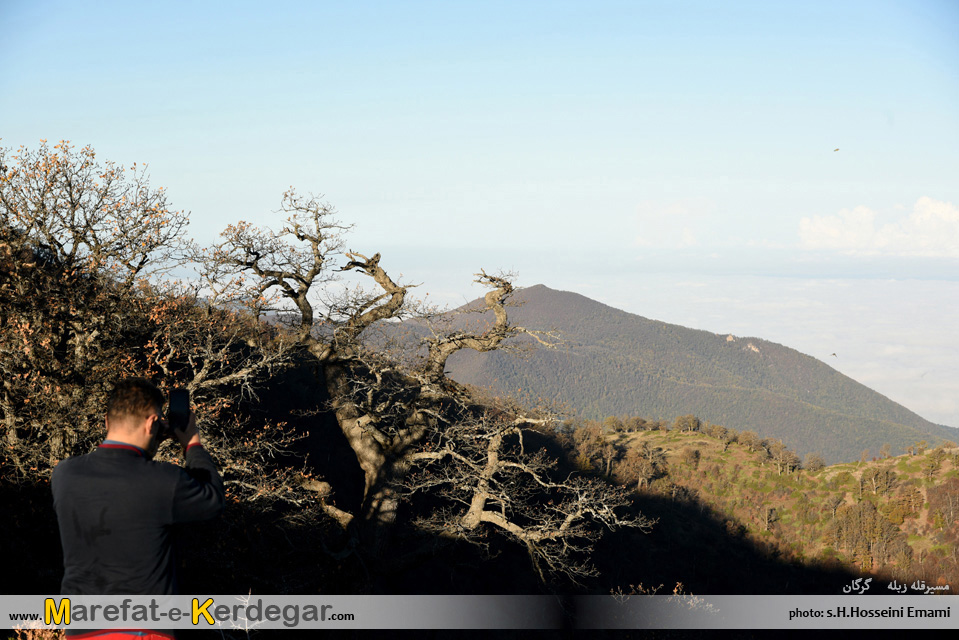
{"x":116,"y":510}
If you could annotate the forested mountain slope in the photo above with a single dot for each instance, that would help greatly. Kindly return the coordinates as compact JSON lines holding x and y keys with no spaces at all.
{"x":615,"y":363}
{"x":893,"y":518}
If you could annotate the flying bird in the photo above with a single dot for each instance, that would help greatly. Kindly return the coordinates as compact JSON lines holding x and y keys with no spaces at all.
{"x":833,"y":355}
{"x":834,"y":150}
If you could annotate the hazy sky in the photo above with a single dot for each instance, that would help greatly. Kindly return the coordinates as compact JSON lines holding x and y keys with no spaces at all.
{"x":673,"y":159}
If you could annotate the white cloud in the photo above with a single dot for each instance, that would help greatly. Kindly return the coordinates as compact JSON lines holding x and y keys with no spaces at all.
{"x":931,"y":230}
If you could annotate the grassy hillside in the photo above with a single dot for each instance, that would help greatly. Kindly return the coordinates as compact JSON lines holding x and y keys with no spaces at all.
{"x":894,"y":518}
{"x":616,"y":363}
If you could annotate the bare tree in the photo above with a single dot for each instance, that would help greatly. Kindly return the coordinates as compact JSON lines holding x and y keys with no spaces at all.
{"x":767,"y":516}
{"x":482,"y":467}
{"x":881,"y":479}
{"x":588,"y":442}
{"x":88,"y":214}
{"x":608,"y":454}
{"x":721,"y":433}
{"x":814,"y":462}
{"x":383,"y":410}
{"x":687,"y":422}
{"x":441,"y":347}
{"x":90,"y":238}
{"x":288,"y":271}
{"x":784,"y":458}
{"x":691,"y":456}
{"x":645,"y":463}
{"x":79,"y":240}
{"x":749,"y":439}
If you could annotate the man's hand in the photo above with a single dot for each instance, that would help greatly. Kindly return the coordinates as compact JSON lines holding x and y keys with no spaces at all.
{"x":190,"y":435}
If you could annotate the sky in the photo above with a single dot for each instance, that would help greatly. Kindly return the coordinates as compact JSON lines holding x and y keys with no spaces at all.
{"x":784,"y":171}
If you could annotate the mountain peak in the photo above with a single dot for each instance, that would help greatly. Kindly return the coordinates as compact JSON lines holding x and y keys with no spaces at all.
{"x":618,"y":363}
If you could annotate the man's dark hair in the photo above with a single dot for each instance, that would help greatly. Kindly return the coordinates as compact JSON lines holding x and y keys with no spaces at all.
{"x":134,"y":398}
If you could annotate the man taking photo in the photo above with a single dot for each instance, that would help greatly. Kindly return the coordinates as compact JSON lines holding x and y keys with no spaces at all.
{"x":116,"y":506}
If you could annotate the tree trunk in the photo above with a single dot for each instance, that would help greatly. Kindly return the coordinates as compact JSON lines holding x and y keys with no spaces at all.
{"x":379,"y":516}
{"x":380,"y":501}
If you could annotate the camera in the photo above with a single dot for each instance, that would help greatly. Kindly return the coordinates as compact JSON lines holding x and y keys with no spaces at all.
{"x":178,"y":413}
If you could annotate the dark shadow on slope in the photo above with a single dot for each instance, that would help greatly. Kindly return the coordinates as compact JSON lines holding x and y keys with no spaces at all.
{"x":688,"y":545}
{"x":278,"y":551}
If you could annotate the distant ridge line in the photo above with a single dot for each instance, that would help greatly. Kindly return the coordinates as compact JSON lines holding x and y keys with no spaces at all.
{"x":627,"y":364}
